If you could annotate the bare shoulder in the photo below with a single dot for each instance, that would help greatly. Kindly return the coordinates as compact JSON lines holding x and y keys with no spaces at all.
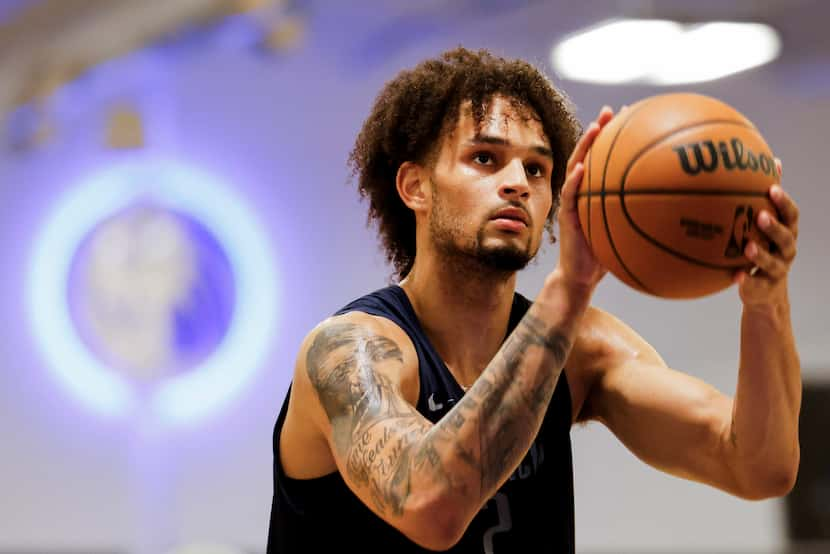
{"x":603,"y":343}
{"x":322,"y":372}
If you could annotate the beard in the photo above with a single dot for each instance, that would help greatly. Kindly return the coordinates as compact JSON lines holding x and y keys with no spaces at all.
{"x":470,"y":253}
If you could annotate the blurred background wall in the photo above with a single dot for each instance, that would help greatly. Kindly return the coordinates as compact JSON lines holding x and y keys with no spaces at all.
{"x":255,"y":105}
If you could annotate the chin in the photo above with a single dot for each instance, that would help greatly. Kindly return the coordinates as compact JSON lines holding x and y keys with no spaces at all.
{"x":504,"y":258}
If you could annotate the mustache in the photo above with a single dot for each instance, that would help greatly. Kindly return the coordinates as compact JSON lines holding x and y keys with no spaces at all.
{"x":513,"y":204}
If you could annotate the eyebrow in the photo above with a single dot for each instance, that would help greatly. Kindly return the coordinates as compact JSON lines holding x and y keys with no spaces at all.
{"x":498,"y":141}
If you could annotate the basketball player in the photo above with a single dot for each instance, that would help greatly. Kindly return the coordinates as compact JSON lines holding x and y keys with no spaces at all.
{"x":435,"y":414}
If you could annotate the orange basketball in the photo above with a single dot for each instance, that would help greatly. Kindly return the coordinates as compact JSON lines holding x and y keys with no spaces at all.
{"x":671,"y":191}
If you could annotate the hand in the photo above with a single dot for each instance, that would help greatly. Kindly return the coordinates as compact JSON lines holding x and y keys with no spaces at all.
{"x":577,"y":263}
{"x":767,"y":283}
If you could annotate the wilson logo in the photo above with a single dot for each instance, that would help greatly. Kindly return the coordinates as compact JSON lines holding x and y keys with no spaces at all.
{"x":708,"y":156}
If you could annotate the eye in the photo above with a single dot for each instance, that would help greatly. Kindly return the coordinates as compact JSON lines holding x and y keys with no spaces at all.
{"x":535,"y":170}
{"x":483,"y":158}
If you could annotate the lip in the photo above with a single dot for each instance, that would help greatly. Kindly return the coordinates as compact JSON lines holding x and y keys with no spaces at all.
{"x":509,"y":225}
{"x":512,"y":214}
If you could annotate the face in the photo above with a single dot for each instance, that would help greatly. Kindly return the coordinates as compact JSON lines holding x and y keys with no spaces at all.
{"x":491,"y":191}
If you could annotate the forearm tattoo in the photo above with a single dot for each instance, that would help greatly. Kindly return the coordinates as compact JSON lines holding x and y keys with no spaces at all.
{"x":385,"y":442}
{"x":511,"y":401}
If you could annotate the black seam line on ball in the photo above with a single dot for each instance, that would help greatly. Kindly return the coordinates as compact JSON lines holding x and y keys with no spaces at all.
{"x":674,"y":192}
{"x":588,"y":162}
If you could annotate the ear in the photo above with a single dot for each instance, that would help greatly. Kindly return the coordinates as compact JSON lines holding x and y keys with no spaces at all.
{"x":412,"y":183}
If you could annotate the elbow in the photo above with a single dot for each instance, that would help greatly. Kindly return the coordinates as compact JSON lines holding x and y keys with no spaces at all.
{"x":774,"y":486}
{"x":773,"y":483}
{"x":437,"y":533}
{"x":446,"y":531}
{"x":437,"y":525}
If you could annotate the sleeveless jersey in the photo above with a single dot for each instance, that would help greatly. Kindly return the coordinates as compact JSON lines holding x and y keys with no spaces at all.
{"x":532,"y":512}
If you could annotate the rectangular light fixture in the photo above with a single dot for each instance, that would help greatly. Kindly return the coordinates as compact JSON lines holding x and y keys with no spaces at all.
{"x":663,"y":52}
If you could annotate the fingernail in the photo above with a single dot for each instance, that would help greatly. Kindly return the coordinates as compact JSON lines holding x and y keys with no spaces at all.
{"x":763,"y":220}
{"x":775,"y":191}
{"x":751,"y":250}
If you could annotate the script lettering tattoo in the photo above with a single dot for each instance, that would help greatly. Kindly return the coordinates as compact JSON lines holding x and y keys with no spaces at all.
{"x":373,"y":429}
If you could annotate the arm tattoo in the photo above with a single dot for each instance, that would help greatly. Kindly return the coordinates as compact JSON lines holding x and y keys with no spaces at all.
{"x":510,"y":406}
{"x":384,"y":441}
{"x":373,"y":428}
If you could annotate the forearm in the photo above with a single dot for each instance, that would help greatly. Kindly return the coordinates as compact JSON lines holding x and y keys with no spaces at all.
{"x":484,"y":437}
{"x":764,"y":430}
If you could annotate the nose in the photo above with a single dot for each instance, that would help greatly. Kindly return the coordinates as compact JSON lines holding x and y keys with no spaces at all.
{"x":514,"y":181}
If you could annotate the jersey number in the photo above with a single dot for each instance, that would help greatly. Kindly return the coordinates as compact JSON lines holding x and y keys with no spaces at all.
{"x":505,"y":522}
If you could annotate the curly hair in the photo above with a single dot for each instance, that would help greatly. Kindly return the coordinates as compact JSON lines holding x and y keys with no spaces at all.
{"x":415,"y":110}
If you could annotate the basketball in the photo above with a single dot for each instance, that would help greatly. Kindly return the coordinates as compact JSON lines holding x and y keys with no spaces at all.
{"x":671,"y":191}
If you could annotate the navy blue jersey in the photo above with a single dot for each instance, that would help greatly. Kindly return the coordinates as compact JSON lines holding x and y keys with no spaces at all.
{"x":532,"y":512}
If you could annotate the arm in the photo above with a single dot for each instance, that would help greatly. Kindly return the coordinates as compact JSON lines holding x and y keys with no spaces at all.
{"x":748,"y":445}
{"x":763,"y":433}
{"x":685,"y":427}
{"x":429,"y":480}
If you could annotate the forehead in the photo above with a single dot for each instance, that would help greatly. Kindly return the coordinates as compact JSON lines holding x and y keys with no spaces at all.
{"x":502,"y":117}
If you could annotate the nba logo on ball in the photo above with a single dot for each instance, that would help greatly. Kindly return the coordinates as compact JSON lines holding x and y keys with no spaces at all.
{"x":152,"y":291}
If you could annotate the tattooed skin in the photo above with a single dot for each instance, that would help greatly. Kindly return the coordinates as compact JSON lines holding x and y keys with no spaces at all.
{"x":341,"y":364}
{"x":515,"y":406}
{"x":386,"y":445}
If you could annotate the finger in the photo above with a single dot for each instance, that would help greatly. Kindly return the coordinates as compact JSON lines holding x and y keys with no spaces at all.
{"x":605,"y":115}
{"x":739,"y":276}
{"x":584,"y":144}
{"x":771,"y":266}
{"x":570,"y":188}
{"x":786,"y":206}
{"x":572,"y":182}
{"x":781,"y":235}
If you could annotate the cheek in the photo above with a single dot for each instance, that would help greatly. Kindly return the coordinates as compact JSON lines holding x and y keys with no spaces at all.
{"x":543,"y":208}
{"x":462,"y":204}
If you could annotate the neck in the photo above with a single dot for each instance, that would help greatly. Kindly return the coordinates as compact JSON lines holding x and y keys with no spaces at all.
{"x":464,"y":311}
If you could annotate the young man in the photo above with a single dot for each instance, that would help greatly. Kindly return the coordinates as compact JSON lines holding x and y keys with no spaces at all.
{"x":435,"y":414}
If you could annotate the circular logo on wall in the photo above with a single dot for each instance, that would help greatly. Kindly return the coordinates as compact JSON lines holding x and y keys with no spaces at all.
{"x":151,"y":288}
{"x":151,"y":292}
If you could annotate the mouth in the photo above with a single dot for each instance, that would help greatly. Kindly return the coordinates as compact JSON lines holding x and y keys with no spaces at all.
{"x":513,"y":218}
